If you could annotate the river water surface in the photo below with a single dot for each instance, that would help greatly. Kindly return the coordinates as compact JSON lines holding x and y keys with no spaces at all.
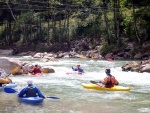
{"x":76,"y":99}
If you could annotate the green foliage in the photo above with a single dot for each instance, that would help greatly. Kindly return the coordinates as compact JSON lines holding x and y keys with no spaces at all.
{"x":106,"y":48}
{"x":65,"y":20}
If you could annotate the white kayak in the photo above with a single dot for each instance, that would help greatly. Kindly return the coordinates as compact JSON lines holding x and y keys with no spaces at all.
{"x":10,"y":85}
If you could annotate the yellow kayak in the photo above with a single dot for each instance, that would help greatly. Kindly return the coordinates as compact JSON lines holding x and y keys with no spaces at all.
{"x":96,"y":87}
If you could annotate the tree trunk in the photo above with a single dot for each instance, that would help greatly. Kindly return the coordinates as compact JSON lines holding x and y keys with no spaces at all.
{"x":135,"y":26}
{"x":117,"y":20}
{"x":106,"y":23}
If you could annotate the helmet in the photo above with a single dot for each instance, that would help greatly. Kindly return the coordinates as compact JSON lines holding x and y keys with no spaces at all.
{"x":29,"y":82}
{"x":36,"y":65}
{"x":107,"y":70}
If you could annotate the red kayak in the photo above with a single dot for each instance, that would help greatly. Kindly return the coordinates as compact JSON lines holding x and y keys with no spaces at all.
{"x":110,"y":59}
{"x":37,"y":74}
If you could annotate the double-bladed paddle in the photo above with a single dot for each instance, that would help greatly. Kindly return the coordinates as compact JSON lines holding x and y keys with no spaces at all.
{"x":10,"y":90}
{"x":94,"y":82}
{"x":97,"y":83}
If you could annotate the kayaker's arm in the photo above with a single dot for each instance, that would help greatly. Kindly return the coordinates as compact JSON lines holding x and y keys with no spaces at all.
{"x":22,"y":92}
{"x":117,"y":83}
{"x":39,"y":93}
{"x":72,"y":68}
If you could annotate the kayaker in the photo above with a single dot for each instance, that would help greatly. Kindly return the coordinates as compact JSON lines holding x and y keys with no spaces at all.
{"x":30,"y":91}
{"x":110,"y":80}
{"x":78,"y":68}
{"x":36,"y":69}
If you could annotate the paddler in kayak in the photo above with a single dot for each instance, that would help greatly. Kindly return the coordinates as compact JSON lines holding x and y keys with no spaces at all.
{"x":78,"y":68}
{"x":30,"y":91}
{"x":36,"y":69}
{"x":108,"y":82}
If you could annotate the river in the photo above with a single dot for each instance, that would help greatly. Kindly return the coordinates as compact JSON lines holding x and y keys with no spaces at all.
{"x":76,"y":99}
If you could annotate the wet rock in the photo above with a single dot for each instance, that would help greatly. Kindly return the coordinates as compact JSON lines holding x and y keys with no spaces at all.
{"x":143,"y":66}
{"x":7,"y":64}
{"x":48,"y":70}
{"x":129,"y":66}
{"x":138,"y":56}
{"x":6,"y":52}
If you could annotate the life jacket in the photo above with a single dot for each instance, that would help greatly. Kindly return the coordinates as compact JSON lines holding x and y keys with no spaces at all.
{"x":110,"y":81}
{"x":36,"y":70}
{"x":79,"y":69}
{"x":31,"y":92}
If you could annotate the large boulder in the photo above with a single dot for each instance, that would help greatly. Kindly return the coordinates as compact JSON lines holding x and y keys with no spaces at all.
{"x":40,"y":55}
{"x":17,"y":70}
{"x":129,"y":65}
{"x":48,"y":70}
{"x":6,"y":52}
{"x":25,"y":68}
{"x":138,"y":56}
{"x":7,"y":64}
{"x":143,"y":66}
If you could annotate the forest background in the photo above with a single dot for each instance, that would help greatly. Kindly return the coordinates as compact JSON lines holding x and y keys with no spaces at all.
{"x":60,"y":25}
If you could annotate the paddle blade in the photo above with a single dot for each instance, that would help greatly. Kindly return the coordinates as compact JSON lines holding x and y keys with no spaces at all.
{"x":53,"y":97}
{"x":94,"y":82}
{"x":9,"y":90}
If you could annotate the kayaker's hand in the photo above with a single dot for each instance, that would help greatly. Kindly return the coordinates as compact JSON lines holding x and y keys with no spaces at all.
{"x":117,"y":83}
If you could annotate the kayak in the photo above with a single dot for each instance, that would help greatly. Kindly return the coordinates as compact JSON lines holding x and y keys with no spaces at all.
{"x":37,"y":74}
{"x":10,"y":85}
{"x":74,"y":72}
{"x":32,"y":100}
{"x":110,"y":59}
{"x":97,"y":87}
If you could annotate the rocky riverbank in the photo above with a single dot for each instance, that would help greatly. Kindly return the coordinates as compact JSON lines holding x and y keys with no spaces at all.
{"x":16,"y":67}
{"x":83,"y":49}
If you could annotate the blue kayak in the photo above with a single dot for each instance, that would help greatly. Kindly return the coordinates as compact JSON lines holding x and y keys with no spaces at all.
{"x":10,"y":85}
{"x":32,"y":100}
